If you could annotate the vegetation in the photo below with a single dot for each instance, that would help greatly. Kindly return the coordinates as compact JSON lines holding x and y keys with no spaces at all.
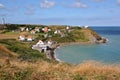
{"x":43,"y":70}
{"x":19,"y":62}
{"x":23,"y":50}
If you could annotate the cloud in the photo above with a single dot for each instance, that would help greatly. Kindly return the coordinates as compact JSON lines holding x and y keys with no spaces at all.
{"x":96,"y":0}
{"x":76,"y":4}
{"x":118,"y":1}
{"x":2,"y":6}
{"x":47,"y":4}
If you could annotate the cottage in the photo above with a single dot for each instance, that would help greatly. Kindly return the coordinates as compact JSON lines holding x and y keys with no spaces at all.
{"x":32,"y":31}
{"x":68,"y":27}
{"x":49,"y":43}
{"x":30,"y":38}
{"x":27,"y":29}
{"x":49,"y":29}
{"x":22,"y":37}
{"x":40,"y":42}
{"x":37,"y":29}
{"x":22,"y":28}
{"x":57,"y":32}
{"x":85,"y":26}
{"x":45,"y":29}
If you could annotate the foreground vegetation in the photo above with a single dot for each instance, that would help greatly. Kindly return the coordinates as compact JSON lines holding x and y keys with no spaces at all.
{"x":43,"y":70}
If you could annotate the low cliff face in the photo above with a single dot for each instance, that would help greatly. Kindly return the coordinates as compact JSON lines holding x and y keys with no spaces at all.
{"x":92,"y":36}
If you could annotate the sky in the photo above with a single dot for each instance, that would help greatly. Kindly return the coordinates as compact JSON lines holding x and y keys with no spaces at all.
{"x":61,"y":12}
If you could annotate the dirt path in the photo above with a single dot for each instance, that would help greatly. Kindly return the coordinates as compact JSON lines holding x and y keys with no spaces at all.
{"x":7,"y":36}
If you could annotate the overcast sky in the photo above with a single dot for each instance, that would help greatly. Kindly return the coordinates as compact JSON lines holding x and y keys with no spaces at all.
{"x":61,"y":12}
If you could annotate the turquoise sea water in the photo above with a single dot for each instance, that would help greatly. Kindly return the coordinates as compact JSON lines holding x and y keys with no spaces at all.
{"x":106,"y":53}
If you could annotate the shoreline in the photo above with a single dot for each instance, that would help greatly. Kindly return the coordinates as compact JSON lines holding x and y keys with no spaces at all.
{"x":55,"y":46}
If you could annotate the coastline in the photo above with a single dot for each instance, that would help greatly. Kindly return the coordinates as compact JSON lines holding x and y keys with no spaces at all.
{"x":55,"y":46}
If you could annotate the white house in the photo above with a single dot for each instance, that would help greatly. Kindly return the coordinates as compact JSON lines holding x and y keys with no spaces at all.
{"x":57,"y":32}
{"x":27,"y":29}
{"x":22,"y":28}
{"x":85,"y":26}
{"x":22,"y":37}
{"x":37,"y":29}
{"x":30,"y":38}
{"x":32,"y":31}
{"x":45,"y":29}
{"x":40,"y":42}
{"x":49,"y":43}
{"x":68,"y":27}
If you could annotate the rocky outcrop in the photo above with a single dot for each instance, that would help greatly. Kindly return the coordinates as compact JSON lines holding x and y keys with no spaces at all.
{"x":92,"y":36}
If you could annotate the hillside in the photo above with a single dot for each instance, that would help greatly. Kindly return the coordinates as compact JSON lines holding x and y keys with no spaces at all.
{"x":20,"y":62}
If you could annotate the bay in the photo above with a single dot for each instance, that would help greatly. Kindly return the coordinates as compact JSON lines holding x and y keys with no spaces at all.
{"x":106,"y":53}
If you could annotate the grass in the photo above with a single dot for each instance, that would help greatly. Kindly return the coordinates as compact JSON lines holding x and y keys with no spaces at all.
{"x":43,"y":70}
{"x":6,"y":36}
{"x":23,"y":50}
{"x":6,"y":52}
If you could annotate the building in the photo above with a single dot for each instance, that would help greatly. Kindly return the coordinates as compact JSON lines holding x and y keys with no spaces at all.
{"x":40,"y":42}
{"x":37,"y":29}
{"x":21,"y":37}
{"x":27,"y":29}
{"x":45,"y":29}
{"x":22,"y":28}
{"x":32,"y":31}
{"x":30,"y":38}
{"x":85,"y":26}
{"x":57,"y":32}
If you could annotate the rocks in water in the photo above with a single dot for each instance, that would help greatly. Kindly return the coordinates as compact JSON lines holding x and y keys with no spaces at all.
{"x":102,"y":40}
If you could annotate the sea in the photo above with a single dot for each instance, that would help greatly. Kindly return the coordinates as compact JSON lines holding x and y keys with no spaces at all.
{"x":106,"y":53}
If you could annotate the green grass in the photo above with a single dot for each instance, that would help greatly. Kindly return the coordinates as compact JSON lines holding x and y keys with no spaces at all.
{"x":23,"y":49}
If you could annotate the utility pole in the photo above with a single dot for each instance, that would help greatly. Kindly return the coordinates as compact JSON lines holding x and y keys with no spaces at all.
{"x":3,"y":21}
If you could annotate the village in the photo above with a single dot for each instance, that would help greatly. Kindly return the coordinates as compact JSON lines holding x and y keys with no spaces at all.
{"x":41,"y":37}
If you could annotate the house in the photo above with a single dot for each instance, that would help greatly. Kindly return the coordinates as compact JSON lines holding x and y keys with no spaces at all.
{"x":40,"y":42}
{"x":30,"y":38}
{"x":22,"y":28}
{"x":57,"y":32}
{"x":45,"y":29}
{"x":37,"y":29}
{"x":32,"y":31}
{"x":49,"y":43}
{"x":86,"y":27}
{"x":27,"y":29}
{"x":68,"y":27}
{"x":22,"y":37}
{"x":49,"y":29}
